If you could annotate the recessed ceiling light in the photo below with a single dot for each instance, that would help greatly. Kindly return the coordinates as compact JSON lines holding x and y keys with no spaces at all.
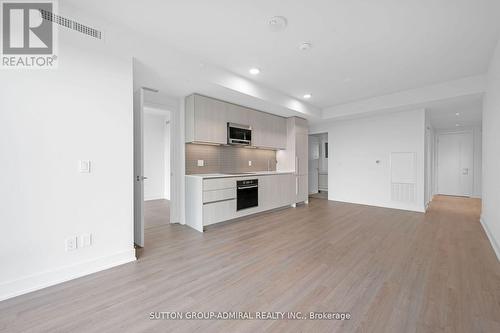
{"x":277,"y":23}
{"x":307,"y":96}
{"x":305,"y":46}
{"x":254,"y":71}
{"x":457,"y":114}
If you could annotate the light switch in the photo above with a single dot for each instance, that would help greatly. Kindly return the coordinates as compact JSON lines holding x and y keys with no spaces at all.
{"x":249,"y":163}
{"x":71,"y":244}
{"x":86,"y":240}
{"x":201,"y":163}
{"x":84,"y":166}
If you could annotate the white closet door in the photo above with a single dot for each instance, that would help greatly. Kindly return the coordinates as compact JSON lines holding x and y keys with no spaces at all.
{"x":455,"y":164}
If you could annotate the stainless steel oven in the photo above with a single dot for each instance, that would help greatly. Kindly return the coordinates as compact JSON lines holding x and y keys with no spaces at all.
{"x":247,"y":192}
{"x":239,"y":134}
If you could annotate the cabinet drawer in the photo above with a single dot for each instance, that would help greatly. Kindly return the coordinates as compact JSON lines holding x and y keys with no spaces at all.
{"x":219,"y":211}
{"x":218,"y":195}
{"x":218,"y":184}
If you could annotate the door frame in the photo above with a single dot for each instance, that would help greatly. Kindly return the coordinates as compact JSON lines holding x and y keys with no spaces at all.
{"x":177,"y":159}
{"x":138,"y":162}
{"x":310,"y":170}
{"x":451,"y":132}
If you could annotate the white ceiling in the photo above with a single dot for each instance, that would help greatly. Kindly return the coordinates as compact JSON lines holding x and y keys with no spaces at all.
{"x":360,"y":48}
{"x":443,"y":114}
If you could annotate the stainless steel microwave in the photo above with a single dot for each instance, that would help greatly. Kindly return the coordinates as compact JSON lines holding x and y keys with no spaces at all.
{"x":239,"y":134}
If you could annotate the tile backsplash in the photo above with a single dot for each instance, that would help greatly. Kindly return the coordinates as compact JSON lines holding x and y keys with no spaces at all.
{"x":223,"y":159}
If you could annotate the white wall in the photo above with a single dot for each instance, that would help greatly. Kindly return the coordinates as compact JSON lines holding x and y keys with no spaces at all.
{"x":355,"y":146}
{"x":491,"y":157}
{"x":429,"y":159}
{"x":50,"y":119}
{"x":323,"y":162}
{"x":478,"y":161}
{"x":156,"y":156}
{"x":167,"y":168}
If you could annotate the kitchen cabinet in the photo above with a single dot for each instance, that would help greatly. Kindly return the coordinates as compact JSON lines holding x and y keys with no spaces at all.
{"x":295,"y":157}
{"x":207,"y":118}
{"x":301,"y":154}
{"x":302,"y":191}
{"x":276,"y":191}
{"x":214,"y":200}
{"x":238,"y":115}
{"x":269,"y":131}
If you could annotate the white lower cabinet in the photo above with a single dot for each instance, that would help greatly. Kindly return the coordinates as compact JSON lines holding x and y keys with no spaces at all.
{"x":302,"y":189}
{"x":218,"y":211}
{"x":214,"y":200}
{"x":276,"y":191}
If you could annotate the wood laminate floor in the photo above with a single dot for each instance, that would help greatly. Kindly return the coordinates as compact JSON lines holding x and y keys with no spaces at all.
{"x":156,"y":213}
{"x":319,"y":195}
{"x":394,"y":271}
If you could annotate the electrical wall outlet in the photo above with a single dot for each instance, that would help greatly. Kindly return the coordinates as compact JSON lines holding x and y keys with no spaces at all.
{"x":86,"y":240}
{"x":201,"y":163}
{"x":249,"y":163}
{"x":71,"y":244}
{"x":84,"y":166}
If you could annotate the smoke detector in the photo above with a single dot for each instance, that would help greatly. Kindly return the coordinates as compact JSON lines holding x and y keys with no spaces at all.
{"x":277,"y":23}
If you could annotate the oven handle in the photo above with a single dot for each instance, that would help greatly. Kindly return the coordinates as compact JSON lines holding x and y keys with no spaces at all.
{"x":245,"y":187}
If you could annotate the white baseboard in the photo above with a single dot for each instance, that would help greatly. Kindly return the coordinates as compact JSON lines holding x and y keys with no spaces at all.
{"x":49,"y":278}
{"x":492,"y":240}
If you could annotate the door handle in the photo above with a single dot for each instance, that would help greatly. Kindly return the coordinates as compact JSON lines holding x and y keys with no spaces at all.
{"x":465,"y":171}
{"x":139,"y":178}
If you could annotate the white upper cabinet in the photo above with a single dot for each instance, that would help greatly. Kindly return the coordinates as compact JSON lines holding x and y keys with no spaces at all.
{"x":238,"y":115}
{"x":269,"y":131}
{"x":207,"y":118}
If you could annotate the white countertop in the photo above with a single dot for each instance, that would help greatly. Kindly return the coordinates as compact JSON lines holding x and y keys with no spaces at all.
{"x":248,"y":174}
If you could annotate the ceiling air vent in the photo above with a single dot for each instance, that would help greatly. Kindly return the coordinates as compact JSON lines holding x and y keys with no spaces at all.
{"x":70,"y":24}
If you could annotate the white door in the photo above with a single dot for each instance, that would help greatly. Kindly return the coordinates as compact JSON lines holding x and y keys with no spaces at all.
{"x":455,"y":164}
{"x":138,"y":168}
{"x":313,"y":165}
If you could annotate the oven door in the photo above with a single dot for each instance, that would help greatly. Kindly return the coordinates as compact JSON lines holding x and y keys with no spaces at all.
{"x":247,"y":196}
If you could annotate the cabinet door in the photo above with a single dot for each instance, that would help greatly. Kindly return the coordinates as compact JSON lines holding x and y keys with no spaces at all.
{"x":286,"y":189}
{"x":279,"y":132}
{"x":302,"y":189}
{"x":219,"y":211}
{"x":301,"y":126}
{"x":210,"y":120}
{"x":276,"y":191}
{"x":238,"y":115}
{"x":260,"y":129}
{"x":270,"y":131}
{"x":301,"y":153}
{"x":266,"y":192}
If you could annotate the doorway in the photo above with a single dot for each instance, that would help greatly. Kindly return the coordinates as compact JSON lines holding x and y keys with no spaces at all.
{"x":455,"y":163}
{"x":318,"y":165}
{"x":157,"y":164}
{"x":156,"y":167}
